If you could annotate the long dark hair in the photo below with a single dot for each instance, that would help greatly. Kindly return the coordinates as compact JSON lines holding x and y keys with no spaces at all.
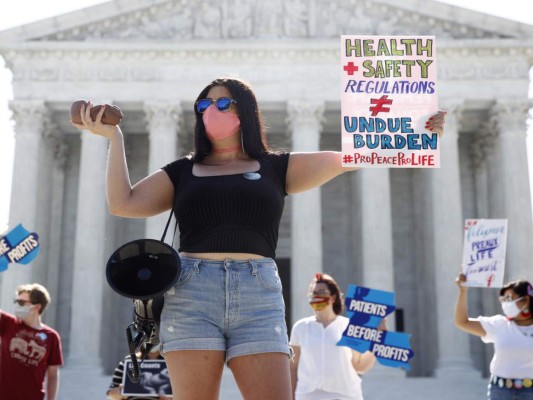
{"x":334,"y":289}
{"x":252,"y":126}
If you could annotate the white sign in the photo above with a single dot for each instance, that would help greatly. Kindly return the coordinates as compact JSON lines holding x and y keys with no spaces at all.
{"x":484,"y":252}
{"x":389,"y":91}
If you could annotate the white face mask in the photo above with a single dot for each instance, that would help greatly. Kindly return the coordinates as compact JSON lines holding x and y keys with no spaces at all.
{"x":22,"y":312}
{"x":510,"y":309}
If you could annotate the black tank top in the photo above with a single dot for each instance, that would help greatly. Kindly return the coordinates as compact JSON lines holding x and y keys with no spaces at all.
{"x":230,"y":213}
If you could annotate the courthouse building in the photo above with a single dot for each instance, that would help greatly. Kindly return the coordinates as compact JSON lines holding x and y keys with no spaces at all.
{"x":393,"y":229}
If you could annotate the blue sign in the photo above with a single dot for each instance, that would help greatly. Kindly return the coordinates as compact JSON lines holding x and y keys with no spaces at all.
{"x":18,"y":246}
{"x":366,"y":308}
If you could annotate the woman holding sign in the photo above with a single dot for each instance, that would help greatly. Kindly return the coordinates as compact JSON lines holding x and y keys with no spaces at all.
{"x":321,"y":370}
{"x":511,"y":367}
{"x":228,"y":197}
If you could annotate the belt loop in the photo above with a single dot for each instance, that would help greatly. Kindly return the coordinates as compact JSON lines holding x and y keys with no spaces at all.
{"x":197,"y":266}
{"x":254,"y":267}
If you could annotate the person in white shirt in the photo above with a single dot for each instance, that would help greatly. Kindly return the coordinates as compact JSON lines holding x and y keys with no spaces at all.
{"x":511,"y":367}
{"x":321,"y":370}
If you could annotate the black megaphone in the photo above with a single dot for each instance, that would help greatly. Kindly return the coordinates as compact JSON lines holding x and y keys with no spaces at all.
{"x":143,"y":270}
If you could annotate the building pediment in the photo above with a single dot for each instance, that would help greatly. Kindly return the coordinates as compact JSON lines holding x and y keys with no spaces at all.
{"x":172,"y":20}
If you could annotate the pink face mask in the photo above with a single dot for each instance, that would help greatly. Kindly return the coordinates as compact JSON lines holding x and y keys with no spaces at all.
{"x":220,"y":125}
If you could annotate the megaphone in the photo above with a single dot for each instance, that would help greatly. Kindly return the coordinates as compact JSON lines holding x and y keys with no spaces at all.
{"x":143,"y":270}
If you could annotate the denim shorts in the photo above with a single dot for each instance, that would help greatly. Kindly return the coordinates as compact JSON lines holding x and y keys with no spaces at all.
{"x":234,"y":306}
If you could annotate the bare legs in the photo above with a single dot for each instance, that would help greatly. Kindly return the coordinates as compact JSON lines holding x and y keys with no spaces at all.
{"x":196,"y":374}
{"x":263,"y":376}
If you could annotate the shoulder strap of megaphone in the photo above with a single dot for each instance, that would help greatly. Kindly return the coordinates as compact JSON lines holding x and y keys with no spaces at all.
{"x":166,"y":227}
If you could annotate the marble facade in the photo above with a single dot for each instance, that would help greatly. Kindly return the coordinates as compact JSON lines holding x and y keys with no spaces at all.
{"x":397,"y":229}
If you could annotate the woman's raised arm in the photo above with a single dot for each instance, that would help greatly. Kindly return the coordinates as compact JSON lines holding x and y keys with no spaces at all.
{"x":150,"y":196}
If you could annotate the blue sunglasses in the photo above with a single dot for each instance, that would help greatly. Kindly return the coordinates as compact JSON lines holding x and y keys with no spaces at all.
{"x":223,"y":104}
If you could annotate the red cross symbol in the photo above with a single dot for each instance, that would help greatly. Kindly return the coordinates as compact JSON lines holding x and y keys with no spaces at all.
{"x":350,"y":68}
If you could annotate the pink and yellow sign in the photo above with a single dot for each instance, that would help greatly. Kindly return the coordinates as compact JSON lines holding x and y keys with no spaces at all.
{"x":389,"y":91}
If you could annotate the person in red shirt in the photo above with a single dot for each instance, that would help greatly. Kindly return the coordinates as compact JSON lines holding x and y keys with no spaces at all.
{"x":29,"y":349}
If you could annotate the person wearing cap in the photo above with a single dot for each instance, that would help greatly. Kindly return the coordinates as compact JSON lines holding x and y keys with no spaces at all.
{"x":30,"y":351}
{"x":511,"y":367}
{"x":321,"y":370}
{"x":228,"y":197}
{"x":115,"y":388}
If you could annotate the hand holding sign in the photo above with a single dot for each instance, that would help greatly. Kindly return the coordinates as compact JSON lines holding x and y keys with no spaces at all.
{"x":367,"y":309}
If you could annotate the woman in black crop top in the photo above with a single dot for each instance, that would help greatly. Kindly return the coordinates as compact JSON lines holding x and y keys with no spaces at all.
{"x":228,"y":197}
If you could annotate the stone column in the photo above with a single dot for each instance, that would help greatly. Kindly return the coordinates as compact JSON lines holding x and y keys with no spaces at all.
{"x":31,"y":119}
{"x":453,"y":354}
{"x":376,"y":231}
{"x":487,"y":188}
{"x":510,"y":117}
{"x":481,"y":150}
{"x":163,"y":121}
{"x":376,"y":243}
{"x":89,"y":257}
{"x":60,"y":154}
{"x":305,"y":122}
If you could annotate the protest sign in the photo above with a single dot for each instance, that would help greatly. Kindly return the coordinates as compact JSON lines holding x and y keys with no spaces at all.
{"x":154,"y":379}
{"x":484,"y":249}
{"x":18,"y":246}
{"x":366,"y":308}
{"x":389,"y":91}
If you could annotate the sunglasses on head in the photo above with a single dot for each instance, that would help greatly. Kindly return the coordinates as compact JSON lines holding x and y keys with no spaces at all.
{"x":223,"y":104}
{"x":21,"y":302}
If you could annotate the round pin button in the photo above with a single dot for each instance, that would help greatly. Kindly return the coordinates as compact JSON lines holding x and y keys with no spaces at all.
{"x":527,"y":382}
{"x":500,"y":382}
{"x":252,"y":176}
